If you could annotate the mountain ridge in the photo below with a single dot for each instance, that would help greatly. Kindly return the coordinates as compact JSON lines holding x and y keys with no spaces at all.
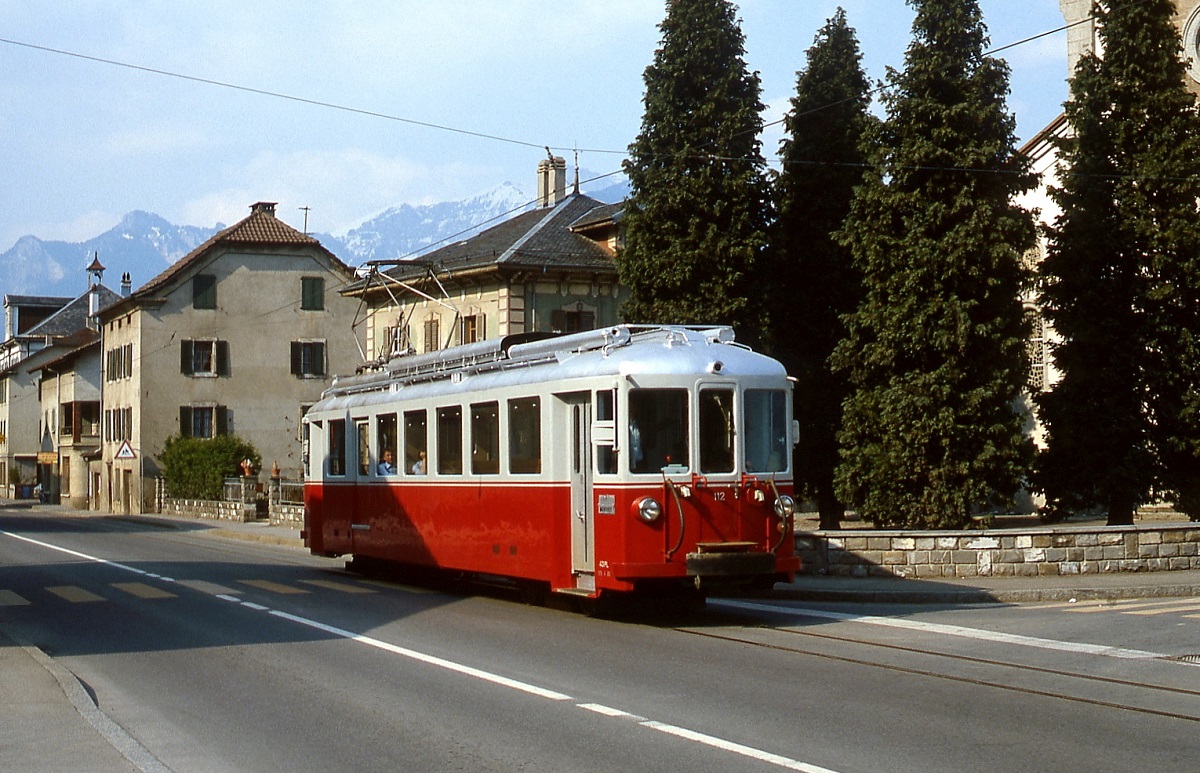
{"x":143,"y":244}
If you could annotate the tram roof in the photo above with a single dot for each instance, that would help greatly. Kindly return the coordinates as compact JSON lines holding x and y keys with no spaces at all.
{"x":623,"y":350}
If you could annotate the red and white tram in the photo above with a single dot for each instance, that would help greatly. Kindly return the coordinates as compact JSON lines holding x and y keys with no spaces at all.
{"x":605,"y":461}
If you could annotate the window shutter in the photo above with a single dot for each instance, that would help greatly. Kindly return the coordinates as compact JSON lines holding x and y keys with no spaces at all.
{"x":297,"y":358}
{"x":185,"y":358}
{"x":221,"y":420}
{"x":320,"y":367}
{"x":204,"y":291}
{"x":587,"y":321}
{"x":185,"y":420}
{"x":222,"y":358}
{"x":558,"y":319}
{"x":312,"y":292}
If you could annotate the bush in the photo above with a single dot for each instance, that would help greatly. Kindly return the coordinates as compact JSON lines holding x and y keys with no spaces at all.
{"x":196,"y":468}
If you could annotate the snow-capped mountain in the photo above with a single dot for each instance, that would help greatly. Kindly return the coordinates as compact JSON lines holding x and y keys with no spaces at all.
{"x":401,"y":231}
{"x":143,"y":244}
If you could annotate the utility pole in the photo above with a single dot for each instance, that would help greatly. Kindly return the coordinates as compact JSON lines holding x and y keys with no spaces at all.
{"x":305,"y":210}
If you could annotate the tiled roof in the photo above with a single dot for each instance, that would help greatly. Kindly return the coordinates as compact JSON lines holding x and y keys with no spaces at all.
{"x":261,"y":228}
{"x":535,"y":239}
{"x":601,"y":214}
{"x":72,"y":317}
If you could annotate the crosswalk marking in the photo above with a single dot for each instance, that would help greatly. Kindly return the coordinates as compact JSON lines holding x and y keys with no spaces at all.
{"x":10,"y":599}
{"x":74,"y":594}
{"x":345,"y":587}
{"x":211,"y":588}
{"x":1193,"y":607}
{"x":273,"y":587}
{"x":339,"y":586}
{"x":1128,"y":606}
{"x":143,"y":591}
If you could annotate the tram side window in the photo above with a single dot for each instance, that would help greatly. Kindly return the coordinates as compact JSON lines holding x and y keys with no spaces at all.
{"x":363,"y":429}
{"x":716,"y":430}
{"x":415,"y":442}
{"x":337,"y":447}
{"x":385,"y":435}
{"x":449,"y":441}
{"x":766,"y":430}
{"x":525,"y":435}
{"x":658,"y":429}
{"x":606,"y":411}
{"x":485,"y":438}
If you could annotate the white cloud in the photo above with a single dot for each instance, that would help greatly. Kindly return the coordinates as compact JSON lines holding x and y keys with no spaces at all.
{"x":342,"y":187}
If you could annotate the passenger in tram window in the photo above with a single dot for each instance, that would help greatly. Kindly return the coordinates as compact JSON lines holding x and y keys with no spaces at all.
{"x":387,"y":465}
{"x":418,"y":467}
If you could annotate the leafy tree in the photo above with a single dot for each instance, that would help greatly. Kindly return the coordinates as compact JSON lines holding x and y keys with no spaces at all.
{"x":696,"y":216}
{"x":814,"y":281}
{"x":196,"y":468}
{"x":936,"y":351}
{"x":1121,"y":280}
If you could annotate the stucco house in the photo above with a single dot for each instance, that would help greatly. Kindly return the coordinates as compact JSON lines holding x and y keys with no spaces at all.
{"x":37,"y":328}
{"x":69,"y":429}
{"x":239,"y":336}
{"x":549,"y":268}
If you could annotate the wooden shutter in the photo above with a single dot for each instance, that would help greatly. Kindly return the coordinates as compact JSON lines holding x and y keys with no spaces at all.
{"x":185,"y":421}
{"x":220,"y":420}
{"x":185,"y":358}
{"x":297,"y":358}
{"x":222,"y":355}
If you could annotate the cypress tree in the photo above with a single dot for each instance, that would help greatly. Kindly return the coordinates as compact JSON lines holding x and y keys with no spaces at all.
{"x":695,"y":220}
{"x":936,"y":351}
{"x":1121,"y":280}
{"x":815,"y":283}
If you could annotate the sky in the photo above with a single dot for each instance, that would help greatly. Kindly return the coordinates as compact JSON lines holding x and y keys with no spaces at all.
{"x":390,"y":101}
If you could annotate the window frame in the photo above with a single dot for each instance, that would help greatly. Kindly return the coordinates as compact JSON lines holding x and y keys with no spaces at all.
{"x":306,"y":354}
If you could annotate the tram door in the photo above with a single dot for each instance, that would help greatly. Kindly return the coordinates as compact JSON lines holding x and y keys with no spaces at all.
{"x":583,"y":530}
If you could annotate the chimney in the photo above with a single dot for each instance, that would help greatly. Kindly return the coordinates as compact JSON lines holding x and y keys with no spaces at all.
{"x":265,"y":207}
{"x":126,"y":285}
{"x":552,"y":181}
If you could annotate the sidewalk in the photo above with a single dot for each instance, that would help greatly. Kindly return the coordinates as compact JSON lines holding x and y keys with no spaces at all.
{"x":51,"y":723}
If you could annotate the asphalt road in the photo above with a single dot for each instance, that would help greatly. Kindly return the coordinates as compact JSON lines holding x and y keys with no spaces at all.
{"x":216,"y":655}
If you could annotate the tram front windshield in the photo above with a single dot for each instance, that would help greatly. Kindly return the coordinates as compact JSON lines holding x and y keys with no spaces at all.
{"x":659,"y":436}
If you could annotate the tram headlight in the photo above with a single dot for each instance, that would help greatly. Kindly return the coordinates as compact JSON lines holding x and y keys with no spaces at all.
{"x":648,"y":509}
{"x":785,"y":507}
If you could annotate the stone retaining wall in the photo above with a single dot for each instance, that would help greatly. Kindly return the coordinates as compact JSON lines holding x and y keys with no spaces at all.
{"x":212,"y":509}
{"x":284,"y":514}
{"x":1008,"y":552}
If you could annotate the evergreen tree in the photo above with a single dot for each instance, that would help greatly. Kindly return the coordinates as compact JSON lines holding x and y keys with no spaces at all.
{"x":936,"y":351}
{"x":815,"y":283}
{"x":695,"y":220}
{"x":1121,"y":280}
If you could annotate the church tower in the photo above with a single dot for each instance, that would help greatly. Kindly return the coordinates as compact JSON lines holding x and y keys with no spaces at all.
{"x":1081,"y":37}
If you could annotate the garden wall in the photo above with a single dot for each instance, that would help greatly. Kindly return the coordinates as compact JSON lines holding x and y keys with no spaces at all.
{"x":1029,"y":552}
